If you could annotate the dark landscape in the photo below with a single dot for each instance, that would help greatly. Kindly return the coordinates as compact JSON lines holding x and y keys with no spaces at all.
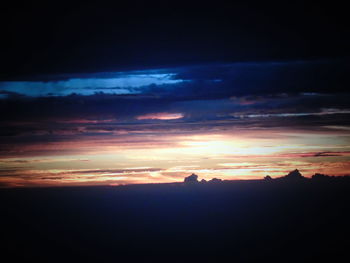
{"x":281,"y":220}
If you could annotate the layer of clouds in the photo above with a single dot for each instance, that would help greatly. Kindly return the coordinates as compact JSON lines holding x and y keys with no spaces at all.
{"x":131,"y":107}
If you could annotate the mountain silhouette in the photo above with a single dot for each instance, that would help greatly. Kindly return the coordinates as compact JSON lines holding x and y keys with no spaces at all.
{"x":193,"y":178}
{"x":293,"y":176}
{"x":288,"y":219}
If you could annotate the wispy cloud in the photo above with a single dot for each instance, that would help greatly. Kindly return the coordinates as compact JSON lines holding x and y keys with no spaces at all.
{"x":297,"y":114}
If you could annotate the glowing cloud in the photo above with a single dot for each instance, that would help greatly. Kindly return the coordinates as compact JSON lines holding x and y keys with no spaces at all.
{"x":160,"y":116}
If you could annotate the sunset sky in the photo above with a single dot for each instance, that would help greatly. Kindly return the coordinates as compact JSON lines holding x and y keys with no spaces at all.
{"x":224,"y":120}
{"x":152,"y":91}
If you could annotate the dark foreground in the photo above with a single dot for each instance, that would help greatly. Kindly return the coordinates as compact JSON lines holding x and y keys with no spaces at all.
{"x":226,"y":222}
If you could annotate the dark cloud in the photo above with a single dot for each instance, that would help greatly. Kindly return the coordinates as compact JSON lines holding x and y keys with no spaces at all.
{"x":330,"y":154}
{"x":9,"y":172}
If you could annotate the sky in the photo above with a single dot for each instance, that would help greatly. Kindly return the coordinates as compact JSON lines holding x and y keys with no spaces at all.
{"x":231,"y":121}
{"x":153,"y":91}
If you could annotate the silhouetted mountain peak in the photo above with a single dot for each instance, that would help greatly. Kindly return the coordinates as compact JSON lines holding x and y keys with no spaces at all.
{"x":193,"y":178}
{"x":267,"y":178}
{"x":294,"y":175}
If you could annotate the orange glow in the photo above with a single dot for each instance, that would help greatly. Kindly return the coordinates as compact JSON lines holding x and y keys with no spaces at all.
{"x":139,"y":158}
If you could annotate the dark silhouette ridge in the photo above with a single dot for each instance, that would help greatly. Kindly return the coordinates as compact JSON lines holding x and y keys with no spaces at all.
{"x":193,"y":178}
{"x":215,"y":180}
{"x":293,"y":176}
{"x":324,"y":177}
{"x":318,"y":176}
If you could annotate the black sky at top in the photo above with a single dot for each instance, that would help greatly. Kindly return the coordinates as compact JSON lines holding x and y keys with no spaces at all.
{"x":59,"y":37}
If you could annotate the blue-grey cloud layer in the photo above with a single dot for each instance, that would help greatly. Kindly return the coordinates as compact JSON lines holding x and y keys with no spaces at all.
{"x":206,"y":81}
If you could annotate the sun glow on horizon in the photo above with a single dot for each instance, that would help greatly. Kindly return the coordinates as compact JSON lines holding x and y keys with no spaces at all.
{"x":225,"y":155}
